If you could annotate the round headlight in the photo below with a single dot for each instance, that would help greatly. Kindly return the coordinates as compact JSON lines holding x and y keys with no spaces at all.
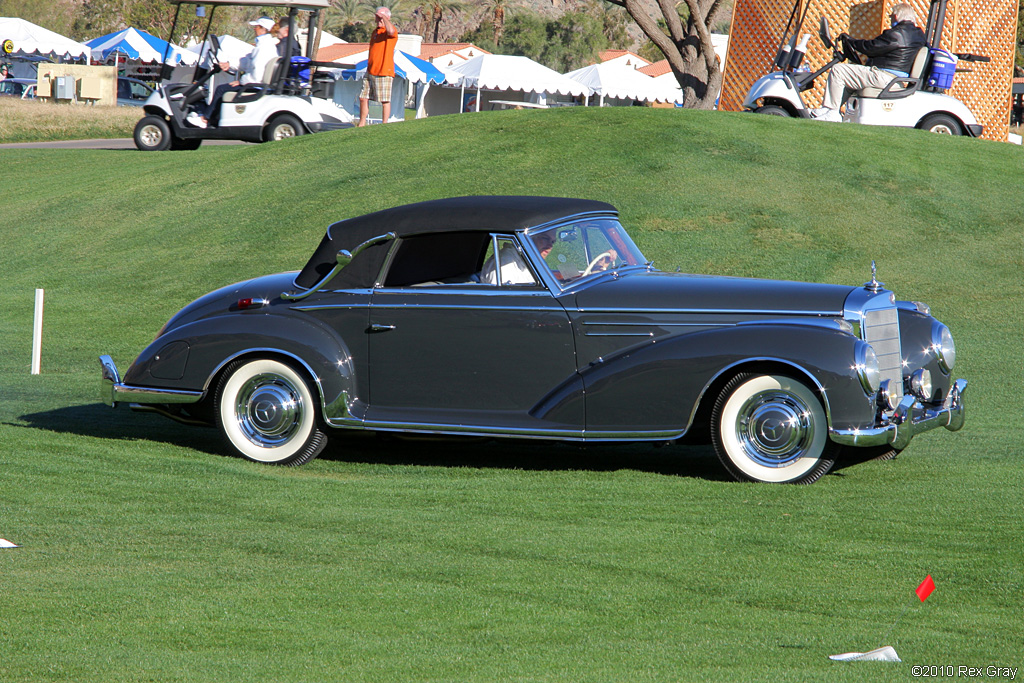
{"x":942,"y":344}
{"x":867,"y":367}
{"x":921,"y":384}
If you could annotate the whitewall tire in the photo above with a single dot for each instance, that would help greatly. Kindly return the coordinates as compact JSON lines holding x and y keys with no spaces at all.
{"x":771,"y":428}
{"x":267,"y":413}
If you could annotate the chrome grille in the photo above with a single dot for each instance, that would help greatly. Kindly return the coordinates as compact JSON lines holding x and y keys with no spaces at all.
{"x":882,"y":331}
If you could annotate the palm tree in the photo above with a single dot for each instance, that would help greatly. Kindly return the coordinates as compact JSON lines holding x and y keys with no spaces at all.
{"x":344,"y":13}
{"x":437,"y":10}
{"x":497,"y":9}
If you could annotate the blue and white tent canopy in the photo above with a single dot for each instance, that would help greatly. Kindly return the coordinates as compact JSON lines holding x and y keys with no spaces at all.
{"x":139,"y":45}
{"x":413,"y":69}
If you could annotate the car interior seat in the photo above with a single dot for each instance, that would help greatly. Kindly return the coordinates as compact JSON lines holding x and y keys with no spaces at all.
{"x":902,"y":86}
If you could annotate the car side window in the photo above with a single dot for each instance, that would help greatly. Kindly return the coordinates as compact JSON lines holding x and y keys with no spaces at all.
{"x":509,"y":267}
{"x":451,"y":258}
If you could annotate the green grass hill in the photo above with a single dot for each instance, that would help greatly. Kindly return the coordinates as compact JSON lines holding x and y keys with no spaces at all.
{"x":148,"y":555}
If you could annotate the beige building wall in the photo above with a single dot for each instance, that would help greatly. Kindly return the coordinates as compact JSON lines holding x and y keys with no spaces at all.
{"x":93,"y":84}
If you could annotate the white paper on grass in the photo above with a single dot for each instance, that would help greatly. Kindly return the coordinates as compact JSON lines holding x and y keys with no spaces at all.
{"x":4,"y":543}
{"x":882,"y":654}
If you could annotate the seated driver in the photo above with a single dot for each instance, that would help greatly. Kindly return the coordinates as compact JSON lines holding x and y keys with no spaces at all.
{"x":251,"y":67}
{"x":513,"y":270}
{"x":890,"y":55}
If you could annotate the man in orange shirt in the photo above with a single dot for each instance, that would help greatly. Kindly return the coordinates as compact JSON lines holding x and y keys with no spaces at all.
{"x":380,"y":67}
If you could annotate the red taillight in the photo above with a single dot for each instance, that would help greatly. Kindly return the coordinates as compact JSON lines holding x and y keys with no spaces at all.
{"x":244,"y":304}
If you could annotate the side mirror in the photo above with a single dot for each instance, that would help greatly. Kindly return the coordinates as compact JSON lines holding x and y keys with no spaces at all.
{"x":825,"y":34}
{"x":344,"y":258}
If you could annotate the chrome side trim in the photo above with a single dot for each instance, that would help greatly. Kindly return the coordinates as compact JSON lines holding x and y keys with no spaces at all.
{"x":656,"y":324}
{"x":910,"y":418}
{"x":718,"y":311}
{"x":124,"y":392}
{"x":519,"y":433}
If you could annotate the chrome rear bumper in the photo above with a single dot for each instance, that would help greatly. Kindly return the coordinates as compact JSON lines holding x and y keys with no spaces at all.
{"x":910,"y":418}
{"x":112,"y":391}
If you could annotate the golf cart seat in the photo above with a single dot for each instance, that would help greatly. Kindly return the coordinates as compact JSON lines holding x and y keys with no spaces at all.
{"x":254,"y":91}
{"x":902,"y":86}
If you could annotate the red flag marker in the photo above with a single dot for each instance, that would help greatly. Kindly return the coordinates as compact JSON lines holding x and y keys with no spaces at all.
{"x":926,"y":588}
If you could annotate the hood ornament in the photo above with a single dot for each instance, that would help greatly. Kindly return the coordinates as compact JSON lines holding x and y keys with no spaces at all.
{"x":874,"y":286}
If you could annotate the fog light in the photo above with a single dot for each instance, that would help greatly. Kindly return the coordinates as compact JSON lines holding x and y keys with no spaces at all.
{"x":886,"y":399}
{"x":921,"y":384}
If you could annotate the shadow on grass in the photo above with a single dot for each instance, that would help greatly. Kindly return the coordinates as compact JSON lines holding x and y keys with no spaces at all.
{"x":100,"y":421}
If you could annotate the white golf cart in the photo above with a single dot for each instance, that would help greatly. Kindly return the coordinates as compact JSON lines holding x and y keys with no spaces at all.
{"x":917,"y":101}
{"x":292,"y":99}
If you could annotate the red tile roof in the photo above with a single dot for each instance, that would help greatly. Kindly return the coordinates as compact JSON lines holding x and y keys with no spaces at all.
{"x":431,"y":50}
{"x":333,"y":53}
{"x":656,"y":69}
{"x":607,"y":55}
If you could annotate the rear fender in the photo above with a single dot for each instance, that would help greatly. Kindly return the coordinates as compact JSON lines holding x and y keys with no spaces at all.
{"x":191,"y":356}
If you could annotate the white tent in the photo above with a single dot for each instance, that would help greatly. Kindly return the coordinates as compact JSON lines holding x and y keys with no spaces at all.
{"x":29,"y":39}
{"x":231,"y":50}
{"x":521,"y":74}
{"x":615,"y":81}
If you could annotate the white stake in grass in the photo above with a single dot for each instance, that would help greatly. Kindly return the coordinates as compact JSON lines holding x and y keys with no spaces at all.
{"x":37,"y":333}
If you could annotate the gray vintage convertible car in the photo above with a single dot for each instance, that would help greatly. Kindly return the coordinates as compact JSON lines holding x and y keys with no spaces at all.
{"x":538,"y":318}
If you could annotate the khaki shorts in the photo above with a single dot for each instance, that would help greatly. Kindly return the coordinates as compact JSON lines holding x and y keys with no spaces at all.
{"x":376,"y":88}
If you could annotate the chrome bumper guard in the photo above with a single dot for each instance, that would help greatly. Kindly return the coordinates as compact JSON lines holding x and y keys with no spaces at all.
{"x":112,"y":391}
{"x":910,"y":418}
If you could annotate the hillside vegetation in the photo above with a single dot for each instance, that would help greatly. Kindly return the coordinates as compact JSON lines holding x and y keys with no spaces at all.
{"x":147,"y":554}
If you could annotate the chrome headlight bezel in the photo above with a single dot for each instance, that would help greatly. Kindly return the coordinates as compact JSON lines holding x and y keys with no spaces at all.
{"x":921,"y":384}
{"x":868,"y":370}
{"x":943,"y":347}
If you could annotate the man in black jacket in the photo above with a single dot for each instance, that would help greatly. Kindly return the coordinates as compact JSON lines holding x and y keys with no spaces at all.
{"x":890,"y":55}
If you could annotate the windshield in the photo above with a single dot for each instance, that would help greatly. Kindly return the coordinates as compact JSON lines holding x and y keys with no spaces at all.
{"x":586,"y":247}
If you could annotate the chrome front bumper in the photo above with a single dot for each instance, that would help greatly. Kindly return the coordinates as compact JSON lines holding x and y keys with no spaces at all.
{"x":112,"y":391}
{"x":910,"y":418}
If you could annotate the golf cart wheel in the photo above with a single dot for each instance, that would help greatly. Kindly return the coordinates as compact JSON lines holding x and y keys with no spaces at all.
{"x":943,"y":124}
{"x":152,"y":134}
{"x":281,"y":127}
{"x":267,"y":412}
{"x":771,"y":428}
{"x":772,"y":110}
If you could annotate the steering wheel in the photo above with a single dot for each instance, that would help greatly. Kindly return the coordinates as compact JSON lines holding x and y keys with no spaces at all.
{"x":214,"y":45}
{"x":593,"y":267}
{"x":849,"y":53}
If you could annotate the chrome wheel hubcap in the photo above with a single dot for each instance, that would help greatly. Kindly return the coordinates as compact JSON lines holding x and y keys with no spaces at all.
{"x":151,"y":136}
{"x":284,"y":131}
{"x":269,"y":410}
{"x":775,"y":428}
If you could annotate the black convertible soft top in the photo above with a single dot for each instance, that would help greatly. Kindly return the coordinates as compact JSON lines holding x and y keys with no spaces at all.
{"x":457,"y":214}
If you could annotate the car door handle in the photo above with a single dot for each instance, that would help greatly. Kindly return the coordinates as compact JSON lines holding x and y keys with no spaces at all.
{"x":377,"y":327}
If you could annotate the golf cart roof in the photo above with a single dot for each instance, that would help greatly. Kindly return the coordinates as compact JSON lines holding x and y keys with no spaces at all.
{"x":297,"y":4}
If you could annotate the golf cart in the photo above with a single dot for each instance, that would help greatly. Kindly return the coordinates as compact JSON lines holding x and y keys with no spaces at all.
{"x":292,"y":98}
{"x":916,"y":101}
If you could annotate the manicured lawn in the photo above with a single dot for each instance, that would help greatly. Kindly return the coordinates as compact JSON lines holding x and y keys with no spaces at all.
{"x":149,"y":555}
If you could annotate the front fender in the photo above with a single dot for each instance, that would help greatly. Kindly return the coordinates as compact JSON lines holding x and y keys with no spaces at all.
{"x":661,"y":384}
{"x":771,"y":88}
{"x":189,"y":357}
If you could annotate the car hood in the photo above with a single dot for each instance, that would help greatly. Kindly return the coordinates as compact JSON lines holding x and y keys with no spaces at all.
{"x":658,"y":291}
